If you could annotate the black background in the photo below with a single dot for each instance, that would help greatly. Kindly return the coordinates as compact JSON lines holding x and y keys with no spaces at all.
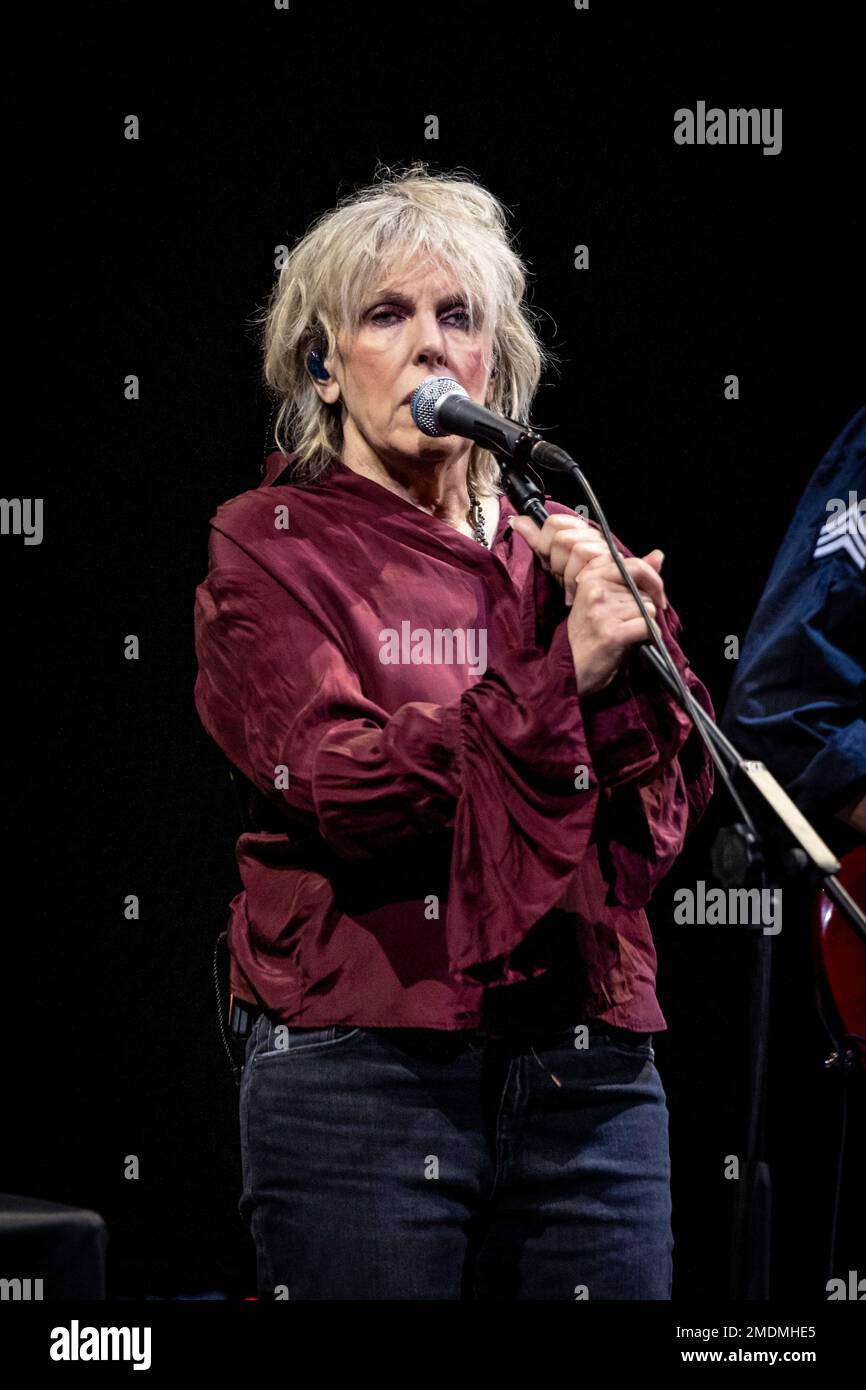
{"x":149,"y":257}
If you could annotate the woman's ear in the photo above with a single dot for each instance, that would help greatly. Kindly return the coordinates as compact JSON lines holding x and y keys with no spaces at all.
{"x":318,"y":368}
{"x":327,"y":386}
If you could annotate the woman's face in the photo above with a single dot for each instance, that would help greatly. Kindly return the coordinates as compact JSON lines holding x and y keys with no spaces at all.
{"x":413,"y":325}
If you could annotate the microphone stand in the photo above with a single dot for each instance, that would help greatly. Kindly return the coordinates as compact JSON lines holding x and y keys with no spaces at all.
{"x":773,"y":842}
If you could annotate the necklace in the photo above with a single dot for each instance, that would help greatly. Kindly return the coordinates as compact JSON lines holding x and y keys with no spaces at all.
{"x":476,"y":517}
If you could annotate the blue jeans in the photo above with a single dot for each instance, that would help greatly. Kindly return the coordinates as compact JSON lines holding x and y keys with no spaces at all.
{"x":394,"y":1163}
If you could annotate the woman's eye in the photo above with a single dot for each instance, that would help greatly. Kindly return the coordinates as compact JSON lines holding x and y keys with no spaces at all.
{"x":382,"y":314}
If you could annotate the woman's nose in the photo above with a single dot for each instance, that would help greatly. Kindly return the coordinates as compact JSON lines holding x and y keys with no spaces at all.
{"x":430,"y":343}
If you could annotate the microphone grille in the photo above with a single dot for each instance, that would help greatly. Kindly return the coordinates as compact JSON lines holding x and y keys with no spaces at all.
{"x":427,"y":397}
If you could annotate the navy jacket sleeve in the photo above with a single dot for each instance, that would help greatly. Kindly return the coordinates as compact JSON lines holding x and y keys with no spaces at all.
{"x":799,"y":696}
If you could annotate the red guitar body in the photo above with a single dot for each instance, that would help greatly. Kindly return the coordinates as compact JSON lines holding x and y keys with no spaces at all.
{"x":840,"y":961}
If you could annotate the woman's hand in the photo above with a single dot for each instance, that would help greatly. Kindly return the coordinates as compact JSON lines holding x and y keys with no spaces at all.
{"x":604,"y":620}
{"x":564,"y":544}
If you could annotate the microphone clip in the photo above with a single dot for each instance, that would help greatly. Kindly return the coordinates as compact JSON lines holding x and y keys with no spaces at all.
{"x":522,"y":484}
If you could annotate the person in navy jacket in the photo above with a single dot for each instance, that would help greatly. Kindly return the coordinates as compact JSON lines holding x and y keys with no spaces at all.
{"x":799,"y":696}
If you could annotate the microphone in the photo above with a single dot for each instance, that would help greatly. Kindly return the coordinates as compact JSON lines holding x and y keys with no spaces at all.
{"x":441,"y":406}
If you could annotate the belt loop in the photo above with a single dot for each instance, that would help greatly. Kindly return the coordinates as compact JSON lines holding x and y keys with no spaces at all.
{"x":242,"y":1015}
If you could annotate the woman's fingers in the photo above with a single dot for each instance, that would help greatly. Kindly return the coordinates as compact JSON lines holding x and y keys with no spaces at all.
{"x":542,"y":538}
{"x":569,"y":547}
{"x":633,"y":630}
{"x":624,"y":609}
{"x":564,"y":544}
{"x":553,"y":542}
{"x":644,"y":574}
{"x":580,"y":553}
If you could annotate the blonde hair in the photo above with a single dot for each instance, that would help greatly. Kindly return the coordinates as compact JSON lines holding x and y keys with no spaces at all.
{"x":451,"y":220}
